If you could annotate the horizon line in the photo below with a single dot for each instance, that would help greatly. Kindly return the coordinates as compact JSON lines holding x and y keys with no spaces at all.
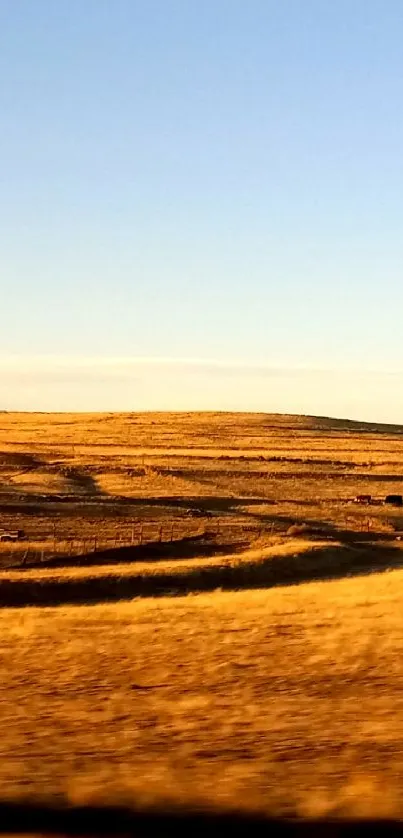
{"x":198,"y":412}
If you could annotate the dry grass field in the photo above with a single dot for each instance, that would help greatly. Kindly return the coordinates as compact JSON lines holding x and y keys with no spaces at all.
{"x":101,"y":476}
{"x":200,"y":613}
{"x":287,"y":700}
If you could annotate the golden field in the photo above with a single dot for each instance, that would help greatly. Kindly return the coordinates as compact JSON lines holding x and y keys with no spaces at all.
{"x":247,"y":653}
{"x":83,"y":476}
{"x":287,"y":700}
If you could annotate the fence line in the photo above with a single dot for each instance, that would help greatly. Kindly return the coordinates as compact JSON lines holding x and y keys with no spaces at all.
{"x":25,"y":553}
{"x":140,"y":534}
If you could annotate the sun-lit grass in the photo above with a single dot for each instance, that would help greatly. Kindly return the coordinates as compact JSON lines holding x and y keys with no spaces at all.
{"x":251,"y":691}
{"x":172,"y":566}
{"x":288,"y":700}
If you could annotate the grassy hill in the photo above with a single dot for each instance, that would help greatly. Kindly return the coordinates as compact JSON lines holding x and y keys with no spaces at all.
{"x":82,"y":475}
{"x":200,"y":613}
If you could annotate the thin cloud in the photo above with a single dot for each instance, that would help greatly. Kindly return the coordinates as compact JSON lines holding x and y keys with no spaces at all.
{"x":49,"y":369}
{"x":62,"y":383}
{"x":70,"y":368}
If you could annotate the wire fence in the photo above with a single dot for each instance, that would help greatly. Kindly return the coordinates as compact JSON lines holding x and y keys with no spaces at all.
{"x":27,"y":552}
{"x":30,"y":552}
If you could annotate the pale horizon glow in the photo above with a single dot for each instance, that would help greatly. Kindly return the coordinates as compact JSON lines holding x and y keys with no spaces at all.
{"x":202,"y":206}
{"x":54,"y":383}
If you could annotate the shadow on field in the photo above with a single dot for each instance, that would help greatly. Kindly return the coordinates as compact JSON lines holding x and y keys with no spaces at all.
{"x":106,"y":505}
{"x":190,"y":547}
{"x":320,"y":528}
{"x":29,"y":819}
{"x":82,"y":480}
{"x":320,"y":563}
{"x":17,"y":460}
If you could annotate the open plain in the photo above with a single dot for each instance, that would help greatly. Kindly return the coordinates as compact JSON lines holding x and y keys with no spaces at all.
{"x":198,"y":611}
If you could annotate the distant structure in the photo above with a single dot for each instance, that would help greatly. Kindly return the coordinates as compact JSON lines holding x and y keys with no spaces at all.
{"x":363,"y":499}
{"x":394,"y":500}
{"x":12,"y":535}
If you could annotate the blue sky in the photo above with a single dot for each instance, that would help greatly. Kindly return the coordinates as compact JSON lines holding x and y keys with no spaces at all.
{"x":202,"y":205}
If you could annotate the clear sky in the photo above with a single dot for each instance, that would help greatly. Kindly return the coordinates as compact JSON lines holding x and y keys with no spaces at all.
{"x":202,"y":205}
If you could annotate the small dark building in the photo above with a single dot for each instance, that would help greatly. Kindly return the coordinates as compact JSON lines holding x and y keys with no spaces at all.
{"x":363,"y":499}
{"x":394,"y":500}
